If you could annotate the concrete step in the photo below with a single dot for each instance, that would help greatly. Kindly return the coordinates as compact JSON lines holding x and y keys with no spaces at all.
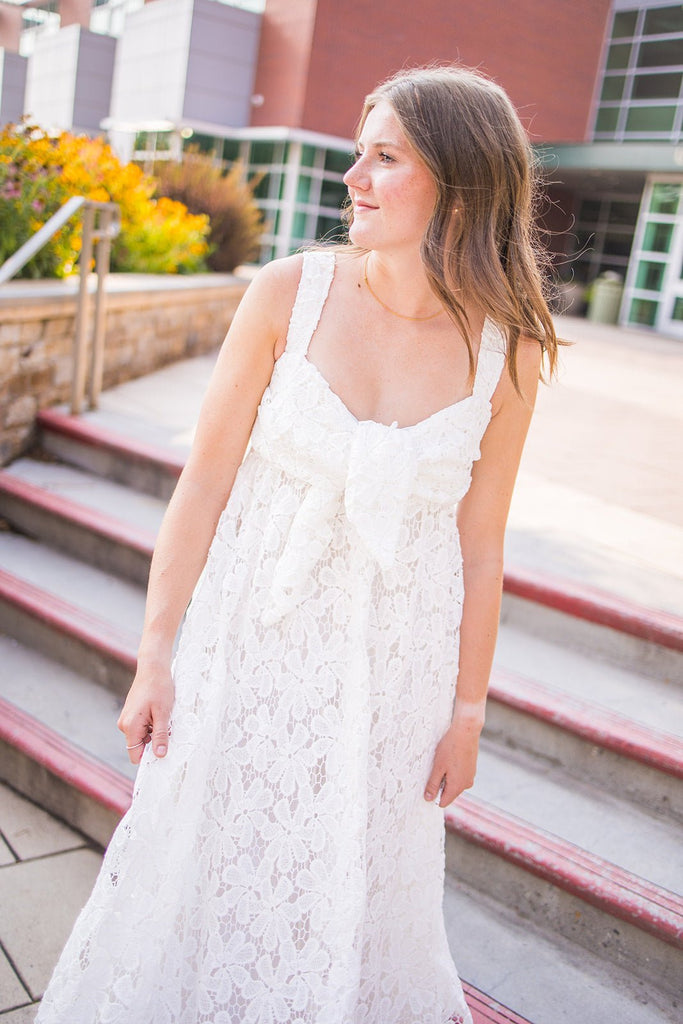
{"x":594,"y":621}
{"x":555,"y":885}
{"x":545,"y":976}
{"x":94,"y":520}
{"x":67,"y":634}
{"x":590,"y":742}
{"x":103,"y":452}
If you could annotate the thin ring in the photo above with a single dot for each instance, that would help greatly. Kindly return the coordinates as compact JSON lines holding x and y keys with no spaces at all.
{"x":140,"y":744}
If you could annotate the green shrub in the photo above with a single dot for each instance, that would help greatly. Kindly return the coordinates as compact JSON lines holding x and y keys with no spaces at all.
{"x":39,"y":173}
{"x":236,"y":222}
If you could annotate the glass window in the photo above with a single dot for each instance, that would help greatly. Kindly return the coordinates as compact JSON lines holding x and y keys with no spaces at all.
{"x":665,"y":198}
{"x":308,"y":156}
{"x":643,"y":311}
{"x":262,"y":153}
{"x":303,"y":189}
{"x":623,"y":213}
{"x":664,"y":19}
{"x":590,"y":210}
{"x":337,"y":161}
{"x":328,"y":224}
{"x":677,"y":313}
{"x":624,"y":23}
{"x":657,"y":237}
{"x":261,"y":186}
{"x":618,"y":56}
{"x":617,"y":243}
{"x":231,"y":149}
{"x":332,"y":193}
{"x":657,"y":87}
{"x":660,"y":54}
{"x":299,"y":224}
{"x":650,"y":119}
{"x":650,"y":276}
{"x":607,"y":119}
{"x":613,"y":87}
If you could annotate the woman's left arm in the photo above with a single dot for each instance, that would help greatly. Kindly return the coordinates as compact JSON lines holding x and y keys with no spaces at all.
{"x":482,"y":515}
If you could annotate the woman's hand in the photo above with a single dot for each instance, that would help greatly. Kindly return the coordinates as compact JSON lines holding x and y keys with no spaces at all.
{"x":146,"y":713}
{"x":455,"y":757}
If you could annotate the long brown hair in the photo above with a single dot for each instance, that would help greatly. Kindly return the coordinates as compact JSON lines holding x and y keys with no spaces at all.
{"x":481,"y":240}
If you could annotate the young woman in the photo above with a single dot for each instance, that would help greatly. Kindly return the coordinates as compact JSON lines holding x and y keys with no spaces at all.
{"x":283,"y":860}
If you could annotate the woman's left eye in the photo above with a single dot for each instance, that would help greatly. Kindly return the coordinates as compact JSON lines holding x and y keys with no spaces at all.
{"x":385,"y":158}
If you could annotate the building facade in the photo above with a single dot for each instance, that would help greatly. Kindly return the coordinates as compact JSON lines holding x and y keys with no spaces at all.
{"x":278,"y":84}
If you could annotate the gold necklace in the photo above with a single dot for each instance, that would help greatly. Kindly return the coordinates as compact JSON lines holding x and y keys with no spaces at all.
{"x":376,"y":297}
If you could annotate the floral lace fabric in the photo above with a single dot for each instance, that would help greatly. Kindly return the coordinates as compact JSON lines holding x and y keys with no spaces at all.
{"x":281,"y":863}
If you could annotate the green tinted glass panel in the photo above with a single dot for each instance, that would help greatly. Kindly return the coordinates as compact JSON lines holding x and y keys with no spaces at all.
{"x":650,"y":276}
{"x":665,"y":198}
{"x":664,"y":19}
{"x":262,"y":153}
{"x":231,"y":149}
{"x":660,"y":54}
{"x":590,"y":210}
{"x":623,"y":213}
{"x":607,"y":119}
{"x":624,"y":23}
{"x":657,"y":87}
{"x":618,"y":56}
{"x":262,"y":186}
{"x":308,"y":156}
{"x":338,"y":162}
{"x":677,"y":310}
{"x":303,"y":189}
{"x":299,"y":224}
{"x":617,"y":243}
{"x":328,"y":226}
{"x":643,"y":311}
{"x":658,"y":237}
{"x":332,"y":193}
{"x":613,"y":87}
{"x":650,"y":119}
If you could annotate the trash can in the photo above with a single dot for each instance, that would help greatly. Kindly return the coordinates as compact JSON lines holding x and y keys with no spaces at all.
{"x":605,"y":301}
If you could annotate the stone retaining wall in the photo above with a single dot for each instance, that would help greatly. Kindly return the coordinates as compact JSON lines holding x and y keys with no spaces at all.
{"x":150,"y":322}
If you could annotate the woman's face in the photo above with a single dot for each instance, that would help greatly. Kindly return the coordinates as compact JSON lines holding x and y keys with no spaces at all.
{"x":391,"y":188}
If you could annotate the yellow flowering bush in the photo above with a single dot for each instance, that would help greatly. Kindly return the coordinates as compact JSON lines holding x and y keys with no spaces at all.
{"x":38,"y":174}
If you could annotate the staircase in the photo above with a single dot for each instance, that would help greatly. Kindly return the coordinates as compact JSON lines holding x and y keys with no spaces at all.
{"x":564,"y":862}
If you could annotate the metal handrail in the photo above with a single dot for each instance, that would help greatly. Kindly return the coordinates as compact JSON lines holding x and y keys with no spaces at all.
{"x":101,"y":223}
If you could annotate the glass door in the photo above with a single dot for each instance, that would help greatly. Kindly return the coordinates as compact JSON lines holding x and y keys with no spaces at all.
{"x":654,"y":288}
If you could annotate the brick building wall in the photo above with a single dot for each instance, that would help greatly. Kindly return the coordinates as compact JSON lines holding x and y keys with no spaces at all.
{"x":546,"y":55}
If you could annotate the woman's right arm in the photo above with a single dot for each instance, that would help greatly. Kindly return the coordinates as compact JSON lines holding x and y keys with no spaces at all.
{"x":245,"y":363}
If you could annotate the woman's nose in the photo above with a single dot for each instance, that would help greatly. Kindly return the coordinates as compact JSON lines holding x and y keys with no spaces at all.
{"x":356,"y":177}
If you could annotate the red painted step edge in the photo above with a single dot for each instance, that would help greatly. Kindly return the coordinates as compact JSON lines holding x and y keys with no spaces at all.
{"x":86,"y":432}
{"x":596,"y":881}
{"x":114,"y":791}
{"x":486,"y":1010}
{"x":594,"y":605}
{"x":74,"y":766}
{"x":81,"y":515}
{"x":69,"y":619}
{"x":590,"y":722}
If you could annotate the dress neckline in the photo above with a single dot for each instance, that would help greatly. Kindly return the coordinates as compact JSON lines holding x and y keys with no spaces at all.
{"x":444,"y":411}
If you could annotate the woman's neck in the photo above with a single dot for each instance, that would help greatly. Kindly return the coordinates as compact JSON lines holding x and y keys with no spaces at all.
{"x":398,"y":282}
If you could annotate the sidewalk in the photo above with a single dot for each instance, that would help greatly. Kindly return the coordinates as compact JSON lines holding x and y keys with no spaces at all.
{"x":599,"y":497}
{"x":37,"y":854}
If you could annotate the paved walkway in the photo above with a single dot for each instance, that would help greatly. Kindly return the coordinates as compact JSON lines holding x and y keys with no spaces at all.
{"x":46,"y":874}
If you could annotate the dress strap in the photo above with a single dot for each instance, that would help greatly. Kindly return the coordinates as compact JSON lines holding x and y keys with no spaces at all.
{"x":316,"y":277}
{"x":490,"y":361}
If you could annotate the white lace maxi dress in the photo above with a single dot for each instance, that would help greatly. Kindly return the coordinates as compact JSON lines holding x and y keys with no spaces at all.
{"x":281,"y":863}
